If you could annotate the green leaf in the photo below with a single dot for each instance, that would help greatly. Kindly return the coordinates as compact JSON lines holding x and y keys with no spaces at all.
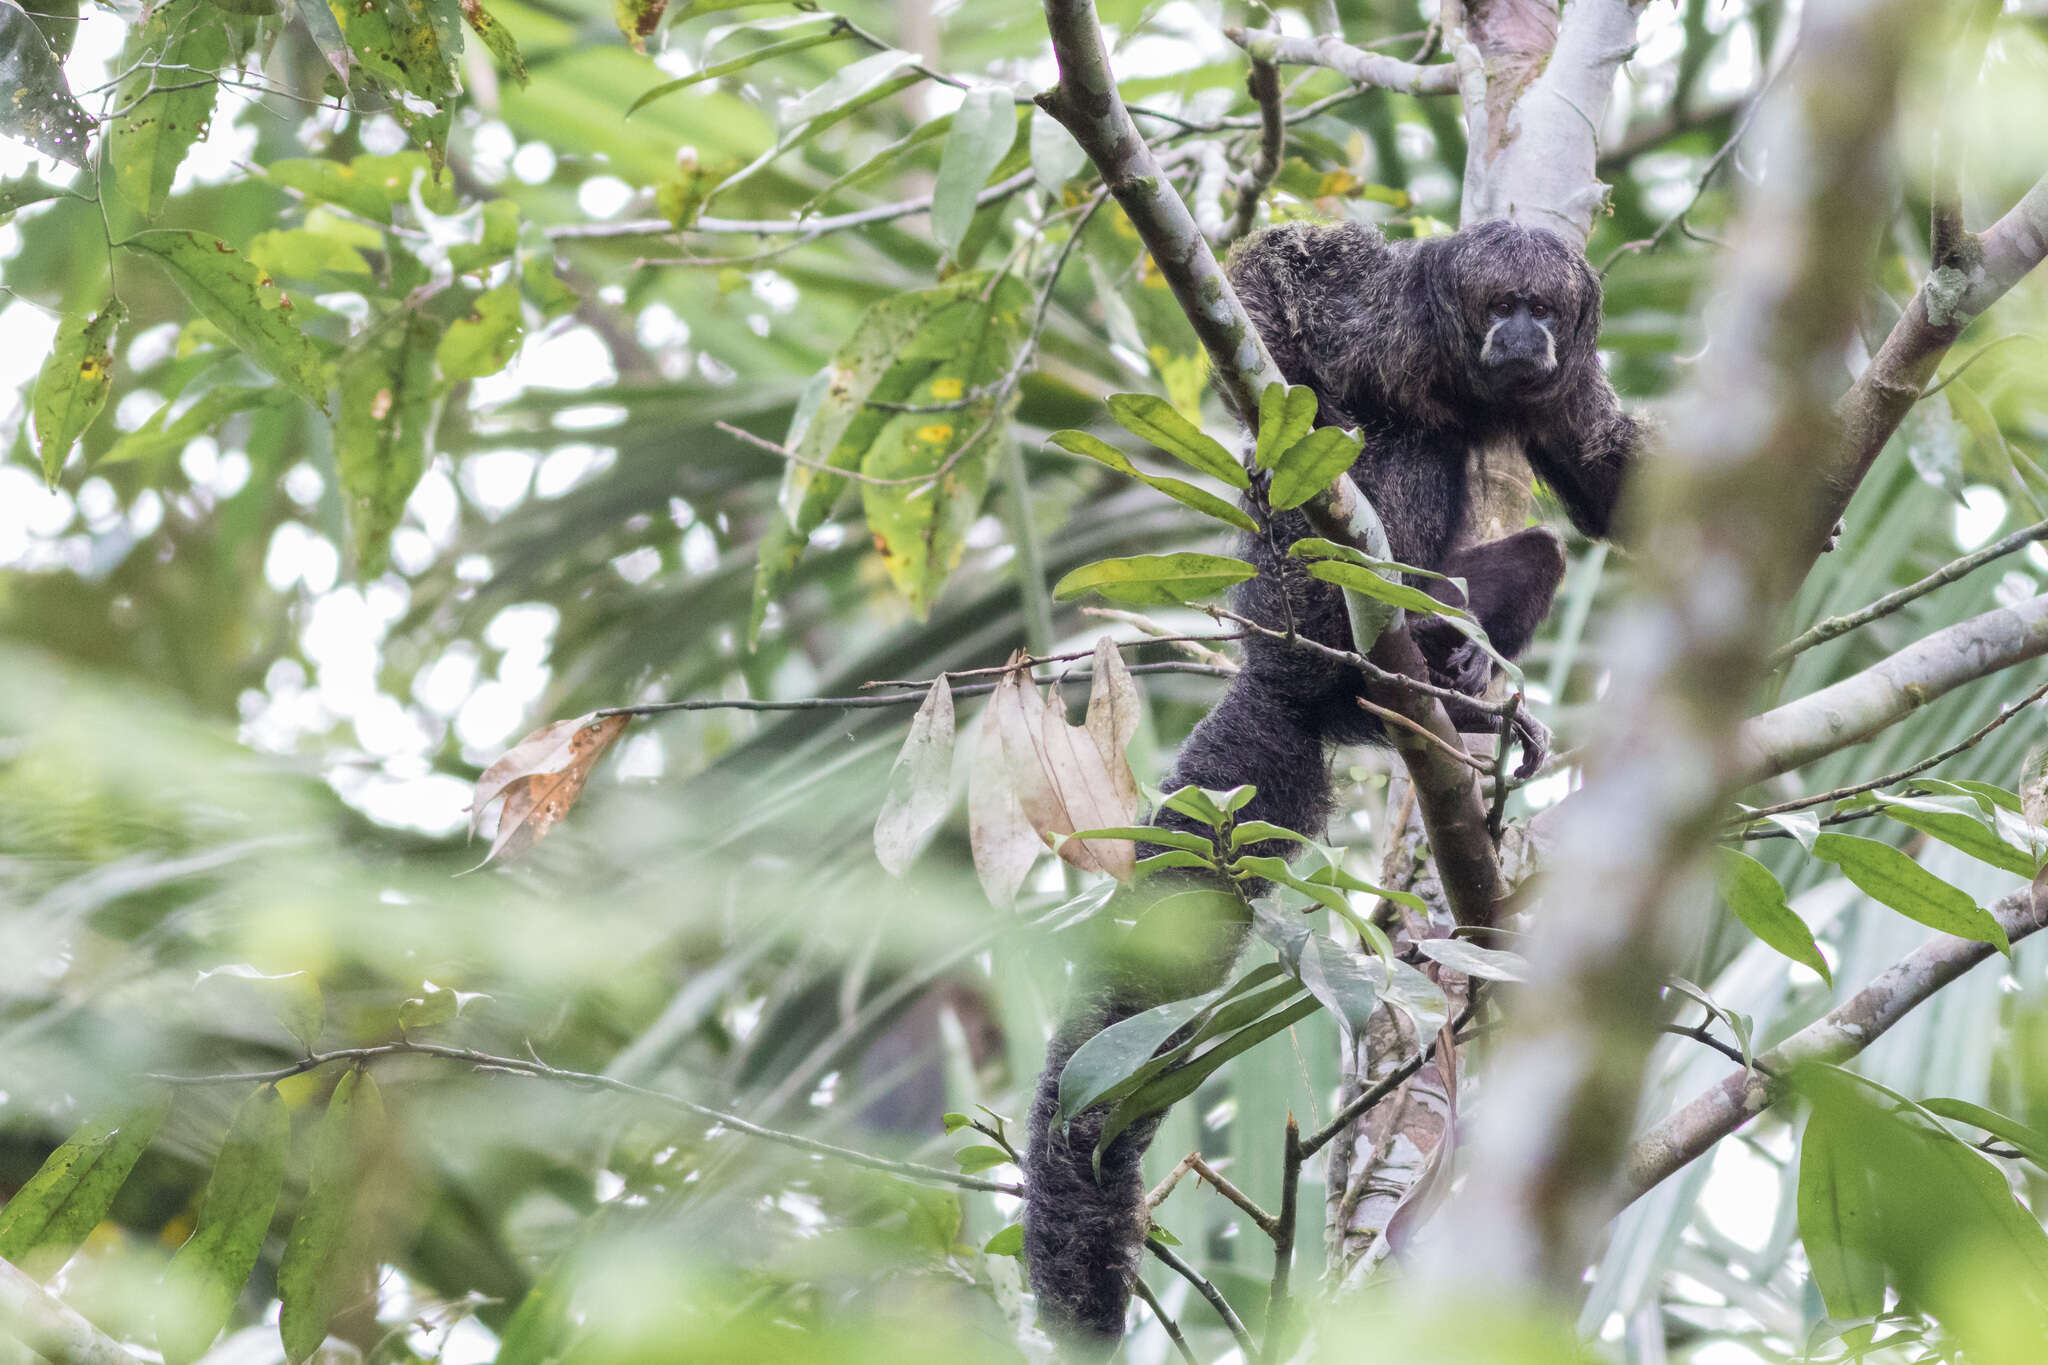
{"x":1890,"y":877}
{"x":485,"y":341}
{"x":1962,"y":822}
{"x":1488,"y":964}
{"x":1156,"y":580}
{"x":69,"y":1195}
{"x":433,"y":1007}
{"x":27,"y":189}
{"x":325,"y":31}
{"x":381,"y":437}
{"x":370,"y":186}
{"x":855,"y":86}
{"x":1008,"y":1242}
{"x":2030,"y":1142}
{"x":1202,"y":500}
{"x":1173,"y":1085}
{"x":496,"y":39}
{"x":1108,"y":1059}
{"x":412,"y":44}
{"x":1287,"y":412}
{"x":1359,"y":578}
{"x":73,"y":384}
{"x":1308,"y":466}
{"x":149,"y":141}
{"x":1152,"y":418}
{"x":981,"y":1158}
{"x":954,"y":1122}
{"x":299,"y":254}
{"x":1259,"y":831}
{"x":1838,"y":1217}
{"x":983,"y":128}
{"x":39,"y":108}
{"x":325,"y":1265}
{"x":1150,"y":834}
{"x":889,"y":157}
{"x":239,"y":299}
{"x":1055,"y":157}
{"x":162,"y":434}
{"x":210,"y":1269}
{"x":1757,"y":899}
{"x":732,"y":65}
{"x":1346,"y":981}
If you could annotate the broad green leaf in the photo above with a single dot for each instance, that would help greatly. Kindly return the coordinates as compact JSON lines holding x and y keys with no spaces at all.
{"x":497,"y":238}
{"x":369,"y":186}
{"x":325,"y":1265}
{"x":162,"y":117}
{"x":854,"y":87}
{"x":485,"y":341}
{"x":1837,"y":1218}
{"x":1960,"y":822}
{"x":1259,"y":831}
{"x":239,"y":299}
{"x":431,"y":1008}
{"x":1154,"y":419}
{"x":889,"y":157}
{"x":381,"y":437}
{"x":1008,"y":1242}
{"x":2030,"y":1142}
{"x":1207,"y":503}
{"x":210,"y":1269}
{"x":1488,"y":964}
{"x":1757,"y":899}
{"x":325,"y":31}
{"x":1307,"y":467}
{"x":27,"y":189}
{"x":1170,"y":1087}
{"x":1150,"y":834}
{"x":980,"y":1158}
{"x":48,"y":1217}
{"x":73,"y":384}
{"x":162,"y":434}
{"x":497,"y":40}
{"x":1055,"y":157}
{"x":1376,"y":585}
{"x":299,"y":254}
{"x":39,"y":108}
{"x":983,"y":128}
{"x":1287,"y":412}
{"x":1156,"y":580}
{"x":413,"y":44}
{"x":735,"y":64}
{"x":920,"y":784}
{"x":1108,"y":1059}
{"x":1890,"y":877}
{"x":1344,"y":980}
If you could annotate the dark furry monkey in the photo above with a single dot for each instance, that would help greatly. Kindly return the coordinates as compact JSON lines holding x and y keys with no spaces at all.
{"x":1433,"y":349}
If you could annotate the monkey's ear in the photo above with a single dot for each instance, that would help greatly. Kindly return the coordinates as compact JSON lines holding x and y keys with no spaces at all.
{"x":1586,"y":327}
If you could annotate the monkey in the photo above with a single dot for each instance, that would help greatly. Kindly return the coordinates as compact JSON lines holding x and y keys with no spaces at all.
{"x":1432,"y":349}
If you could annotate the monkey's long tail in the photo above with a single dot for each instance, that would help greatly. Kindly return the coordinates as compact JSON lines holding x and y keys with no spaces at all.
{"x":1084,"y":1232}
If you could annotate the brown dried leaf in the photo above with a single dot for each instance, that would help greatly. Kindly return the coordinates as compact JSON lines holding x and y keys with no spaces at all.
{"x":920,"y":784}
{"x":1061,"y":778}
{"x":540,"y":778}
{"x":1004,"y":843}
{"x":1113,"y":708}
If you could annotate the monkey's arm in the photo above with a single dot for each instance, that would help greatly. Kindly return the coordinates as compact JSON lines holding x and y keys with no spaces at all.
{"x":1585,"y":457}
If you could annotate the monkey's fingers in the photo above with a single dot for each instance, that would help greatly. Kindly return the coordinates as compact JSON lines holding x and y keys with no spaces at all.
{"x":1534,"y":738}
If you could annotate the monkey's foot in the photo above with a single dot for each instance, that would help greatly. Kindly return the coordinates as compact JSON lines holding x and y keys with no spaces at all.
{"x":1454,"y":661}
{"x":1533,"y":737}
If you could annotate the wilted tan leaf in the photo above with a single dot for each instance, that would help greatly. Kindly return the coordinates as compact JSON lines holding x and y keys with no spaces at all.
{"x":1113,"y":707}
{"x":540,"y":778}
{"x":1004,"y":843}
{"x":920,"y":784}
{"x":1061,"y":778}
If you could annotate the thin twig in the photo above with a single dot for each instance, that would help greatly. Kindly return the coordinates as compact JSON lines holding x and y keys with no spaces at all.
{"x":2005,"y":713}
{"x":1263,"y":83}
{"x":1173,"y":1262}
{"x":1172,"y":1328}
{"x":808,"y":228}
{"x":1283,"y":1242}
{"x":1073,"y":657}
{"x":1399,"y":681}
{"x":534,"y":1067}
{"x":1394,"y":717}
{"x":1823,"y":631}
{"x":1698,"y":1033}
{"x":1202,"y":1170}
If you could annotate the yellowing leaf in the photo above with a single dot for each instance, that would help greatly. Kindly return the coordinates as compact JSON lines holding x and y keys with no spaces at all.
{"x":380,"y":437}
{"x":540,"y":778}
{"x":73,"y":384}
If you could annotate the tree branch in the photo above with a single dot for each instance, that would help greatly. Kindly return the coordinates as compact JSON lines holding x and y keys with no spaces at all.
{"x":47,"y":1326}
{"x":1857,"y":707}
{"x":1262,"y":82}
{"x":1834,"y":1037}
{"x":1368,"y":70}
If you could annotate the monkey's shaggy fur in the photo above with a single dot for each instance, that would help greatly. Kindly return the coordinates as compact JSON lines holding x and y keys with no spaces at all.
{"x":1393,"y":338}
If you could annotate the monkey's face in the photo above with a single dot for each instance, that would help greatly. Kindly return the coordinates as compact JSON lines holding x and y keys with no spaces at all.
{"x":1520,"y":342}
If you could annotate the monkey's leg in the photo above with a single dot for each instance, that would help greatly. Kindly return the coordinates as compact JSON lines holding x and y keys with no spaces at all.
{"x":1509,"y":584}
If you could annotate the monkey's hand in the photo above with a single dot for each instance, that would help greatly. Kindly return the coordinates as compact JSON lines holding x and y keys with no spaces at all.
{"x":1533,"y":736}
{"x":1454,"y":661}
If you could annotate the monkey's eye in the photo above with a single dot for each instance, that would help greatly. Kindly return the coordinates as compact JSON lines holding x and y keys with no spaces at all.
{"x":1502,"y":308}
{"x":1539,"y":310}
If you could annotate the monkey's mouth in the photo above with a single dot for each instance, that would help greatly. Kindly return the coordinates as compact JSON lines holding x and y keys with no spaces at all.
{"x":1518,"y":369}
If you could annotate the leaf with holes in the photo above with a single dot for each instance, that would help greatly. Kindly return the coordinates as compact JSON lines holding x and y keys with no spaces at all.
{"x":73,"y":384}
{"x":161,"y":120}
{"x":236,"y":297}
{"x":39,"y":108}
{"x":383,"y":430}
